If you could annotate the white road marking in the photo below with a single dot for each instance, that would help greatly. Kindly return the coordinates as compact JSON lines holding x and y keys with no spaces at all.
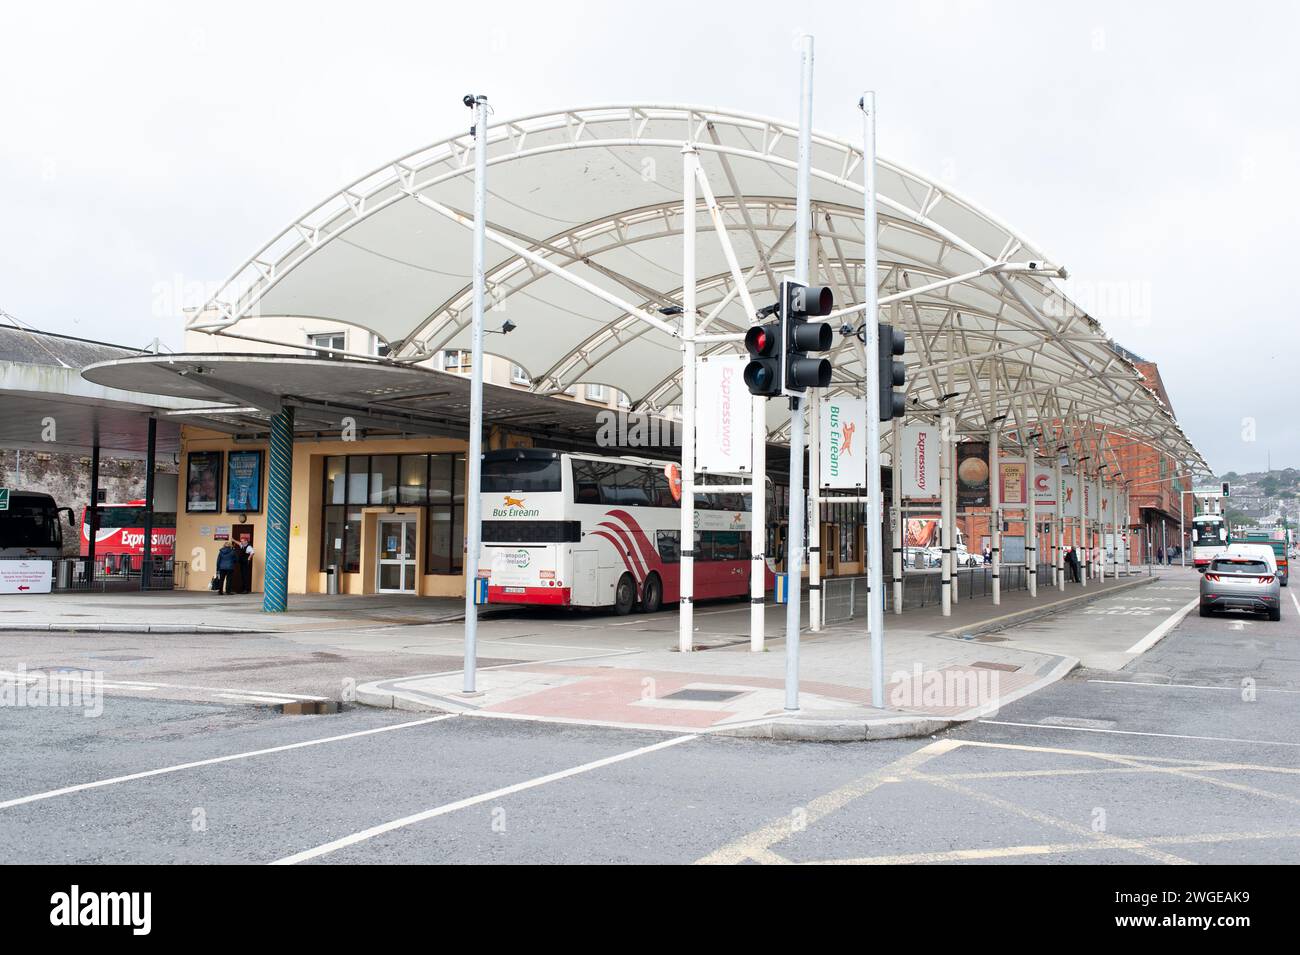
{"x":1158,"y":634}
{"x":1294,"y":599}
{"x":88,"y":676}
{"x":81,"y":787}
{"x":1190,"y":686}
{"x":450,"y":807}
{"x":1085,"y":729}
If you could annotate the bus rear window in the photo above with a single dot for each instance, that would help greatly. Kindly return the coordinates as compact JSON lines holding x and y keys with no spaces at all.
{"x":531,"y":475}
{"x":1239,"y":566}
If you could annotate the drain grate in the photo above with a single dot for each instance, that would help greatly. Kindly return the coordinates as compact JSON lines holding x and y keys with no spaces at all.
{"x":703,"y":696}
{"x":1005,"y":667}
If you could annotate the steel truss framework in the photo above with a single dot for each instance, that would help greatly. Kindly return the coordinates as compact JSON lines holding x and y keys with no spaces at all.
{"x":585,"y":222}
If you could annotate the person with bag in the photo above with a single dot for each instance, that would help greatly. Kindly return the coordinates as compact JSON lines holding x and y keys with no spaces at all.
{"x":227,"y":563}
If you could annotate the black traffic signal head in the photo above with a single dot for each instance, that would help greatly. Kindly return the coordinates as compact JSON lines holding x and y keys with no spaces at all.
{"x":763,"y":373}
{"x":893,"y":373}
{"x":800,"y":336}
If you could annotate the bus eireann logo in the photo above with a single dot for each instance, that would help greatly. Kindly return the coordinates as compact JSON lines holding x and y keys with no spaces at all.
{"x":513,"y":501}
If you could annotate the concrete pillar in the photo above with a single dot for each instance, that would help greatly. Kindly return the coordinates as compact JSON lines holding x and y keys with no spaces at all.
{"x":279,"y":489}
{"x":146,"y":561}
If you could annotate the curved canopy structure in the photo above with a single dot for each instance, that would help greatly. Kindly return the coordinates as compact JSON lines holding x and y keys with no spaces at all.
{"x":585,"y":218}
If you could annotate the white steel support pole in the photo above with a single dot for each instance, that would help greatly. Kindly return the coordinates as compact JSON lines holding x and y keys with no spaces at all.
{"x":1114,"y":532}
{"x":798,"y":502}
{"x":1182,"y":530}
{"x":1127,"y":546}
{"x":947,"y":509}
{"x":875,"y":498}
{"x":1031,"y":524}
{"x":1082,"y":535}
{"x":758,"y":528}
{"x":995,"y":511}
{"x":473,"y":497}
{"x":1099,"y":531}
{"x":813,"y":401}
{"x":686,"y":599}
{"x":896,"y":475}
{"x":1059,"y":523}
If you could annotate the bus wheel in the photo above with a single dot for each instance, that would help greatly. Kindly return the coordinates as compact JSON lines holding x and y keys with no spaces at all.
{"x":652,"y":599}
{"x":625,"y":595}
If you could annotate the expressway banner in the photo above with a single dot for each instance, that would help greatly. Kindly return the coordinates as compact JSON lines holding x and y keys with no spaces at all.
{"x":843,"y":433}
{"x":724,"y":417}
{"x":919,"y":460}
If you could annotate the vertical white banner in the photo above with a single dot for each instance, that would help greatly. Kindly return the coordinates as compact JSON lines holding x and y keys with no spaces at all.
{"x":1069,"y":494}
{"x":1044,"y":480}
{"x":724,"y":421}
{"x":843,"y":431}
{"x":919,"y":460}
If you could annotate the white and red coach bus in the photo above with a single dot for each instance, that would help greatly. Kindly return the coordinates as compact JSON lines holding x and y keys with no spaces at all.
{"x":119,"y":536}
{"x":1209,"y":539}
{"x":579,"y":530}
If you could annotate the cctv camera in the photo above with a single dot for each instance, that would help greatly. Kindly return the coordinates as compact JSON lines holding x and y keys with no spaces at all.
{"x":469,"y":100}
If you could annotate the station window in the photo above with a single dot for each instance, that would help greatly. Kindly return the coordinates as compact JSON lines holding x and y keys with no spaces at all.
{"x":519,"y":376}
{"x":433,"y":481}
{"x":595,"y":392}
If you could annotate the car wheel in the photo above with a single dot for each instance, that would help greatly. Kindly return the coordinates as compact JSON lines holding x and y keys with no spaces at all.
{"x":625,"y":595}
{"x":652,"y":595}
{"x":1275,"y":615}
{"x":1206,"y":611}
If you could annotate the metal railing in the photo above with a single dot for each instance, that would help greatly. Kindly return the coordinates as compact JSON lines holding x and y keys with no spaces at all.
{"x":119,"y":572}
{"x":845,"y":598}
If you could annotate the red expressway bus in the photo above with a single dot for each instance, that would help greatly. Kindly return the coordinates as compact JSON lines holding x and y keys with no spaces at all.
{"x":580,"y":530}
{"x":119,"y":538}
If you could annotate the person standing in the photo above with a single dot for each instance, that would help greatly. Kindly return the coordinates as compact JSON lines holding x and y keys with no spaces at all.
{"x":246,"y":562}
{"x":227,"y":566}
{"x":1072,"y":565}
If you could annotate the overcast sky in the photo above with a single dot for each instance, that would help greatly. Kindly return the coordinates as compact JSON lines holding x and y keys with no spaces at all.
{"x":145,"y":148}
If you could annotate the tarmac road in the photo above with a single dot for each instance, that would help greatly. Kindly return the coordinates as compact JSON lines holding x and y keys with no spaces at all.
{"x":1186,"y":754}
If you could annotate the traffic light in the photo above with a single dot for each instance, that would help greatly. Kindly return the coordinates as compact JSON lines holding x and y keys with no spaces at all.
{"x":1226,"y":489}
{"x":763,"y":373}
{"x":799,"y":303}
{"x":893,"y":374}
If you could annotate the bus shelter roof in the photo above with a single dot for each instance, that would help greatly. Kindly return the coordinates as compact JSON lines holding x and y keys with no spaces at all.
{"x":585,"y":219}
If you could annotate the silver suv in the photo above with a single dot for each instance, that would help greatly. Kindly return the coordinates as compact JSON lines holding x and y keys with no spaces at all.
{"x":1241,"y":582}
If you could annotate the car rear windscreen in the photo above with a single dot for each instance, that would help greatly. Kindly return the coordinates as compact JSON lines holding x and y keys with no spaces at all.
{"x":1240,"y":566}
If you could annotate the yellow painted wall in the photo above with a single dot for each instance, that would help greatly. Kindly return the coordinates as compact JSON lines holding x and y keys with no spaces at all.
{"x":305,"y":526}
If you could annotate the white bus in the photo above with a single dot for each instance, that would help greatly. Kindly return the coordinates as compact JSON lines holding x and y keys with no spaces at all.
{"x":30,"y":528}
{"x":580,"y":530}
{"x":1209,"y":539}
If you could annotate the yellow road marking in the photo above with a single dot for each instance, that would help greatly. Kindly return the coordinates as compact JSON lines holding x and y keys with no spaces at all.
{"x":757,"y":845}
{"x":1051,"y":848}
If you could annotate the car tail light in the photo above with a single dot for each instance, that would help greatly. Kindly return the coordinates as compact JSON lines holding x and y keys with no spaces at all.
{"x":1213,"y":577}
{"x":1266,"y":580}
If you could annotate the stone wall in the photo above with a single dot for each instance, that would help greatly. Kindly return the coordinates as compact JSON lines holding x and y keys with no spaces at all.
{"x":66,"y":477}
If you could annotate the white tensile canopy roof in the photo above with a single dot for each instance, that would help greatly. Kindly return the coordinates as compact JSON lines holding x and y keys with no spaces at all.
{"x":598,"y":193}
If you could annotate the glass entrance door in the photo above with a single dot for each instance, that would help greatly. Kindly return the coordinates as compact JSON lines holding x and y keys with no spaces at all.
{"x":396,"y":547}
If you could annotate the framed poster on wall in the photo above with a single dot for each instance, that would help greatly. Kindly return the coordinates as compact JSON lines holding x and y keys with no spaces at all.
{"x":203,"y":482}
{"x":244,"y":482}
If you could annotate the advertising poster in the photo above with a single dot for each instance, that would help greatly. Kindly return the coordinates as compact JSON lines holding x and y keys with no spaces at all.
{"x":244,"y":481}
{"x":843,"y":431}
{"x":973,"y":473}
{"x":203,"y":481}
{"x":724,"y":418}
{"x":1044,"y":482}
{"x":919,"y":460}
{"x":1013,"y":478}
